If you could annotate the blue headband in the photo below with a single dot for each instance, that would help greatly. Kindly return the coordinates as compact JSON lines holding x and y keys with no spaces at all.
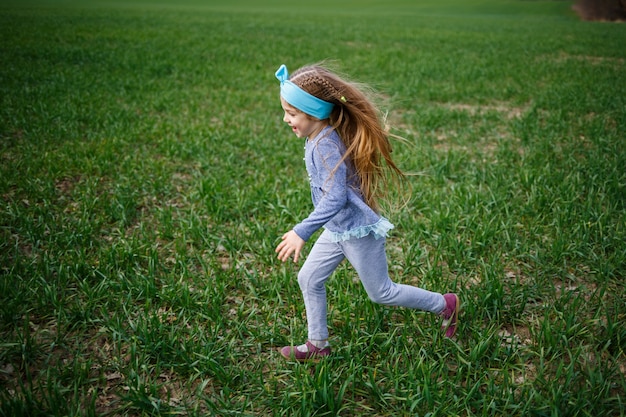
{"x":300,"y":99}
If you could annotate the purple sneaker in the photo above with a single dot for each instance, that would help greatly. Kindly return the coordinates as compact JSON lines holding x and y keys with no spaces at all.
{"x":450,"y":314}
{"x":313,"y":354}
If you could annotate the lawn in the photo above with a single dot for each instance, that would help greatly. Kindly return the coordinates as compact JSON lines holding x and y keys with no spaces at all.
{"x":146,"y":177}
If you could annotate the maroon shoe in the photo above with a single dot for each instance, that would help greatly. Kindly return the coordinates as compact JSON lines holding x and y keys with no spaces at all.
{"x":450,"y":314}
{"x":313,"y":354}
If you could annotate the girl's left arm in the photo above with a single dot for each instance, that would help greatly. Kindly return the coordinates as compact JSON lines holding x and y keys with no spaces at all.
{"x":327,"y":158}
{"x":291,"y":244}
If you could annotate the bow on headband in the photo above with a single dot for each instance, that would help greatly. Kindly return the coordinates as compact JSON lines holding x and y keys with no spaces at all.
{"x":300,"y":99}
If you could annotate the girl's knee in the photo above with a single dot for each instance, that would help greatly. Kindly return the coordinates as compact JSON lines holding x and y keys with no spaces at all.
{"x":306,"y":281}
{"x":383,"y":298}
{"x":303,"y":280}
{"x":382,"y":295}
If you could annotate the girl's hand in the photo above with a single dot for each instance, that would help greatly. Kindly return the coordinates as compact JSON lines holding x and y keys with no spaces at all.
{"x":291,"y":244}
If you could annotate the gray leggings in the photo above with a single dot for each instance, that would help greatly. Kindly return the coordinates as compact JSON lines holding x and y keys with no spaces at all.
{"x":367,"y":256}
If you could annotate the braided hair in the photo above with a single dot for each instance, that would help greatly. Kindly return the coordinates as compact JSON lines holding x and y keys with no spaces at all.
{"x":359,"y":125}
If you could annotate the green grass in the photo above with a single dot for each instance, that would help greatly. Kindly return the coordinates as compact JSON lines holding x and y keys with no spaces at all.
{"x":146,"y":176}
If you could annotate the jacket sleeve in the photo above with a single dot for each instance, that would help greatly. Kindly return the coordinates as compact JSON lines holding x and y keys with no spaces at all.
{"x":329,"y":181}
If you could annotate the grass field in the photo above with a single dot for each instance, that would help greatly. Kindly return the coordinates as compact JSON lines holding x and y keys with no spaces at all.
{"x":146,"y":176}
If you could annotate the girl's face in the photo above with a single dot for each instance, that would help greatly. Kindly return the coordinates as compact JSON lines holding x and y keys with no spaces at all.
{"x":303,"y":125}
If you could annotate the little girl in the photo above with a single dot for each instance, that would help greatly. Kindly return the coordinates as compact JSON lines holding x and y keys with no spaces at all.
{"x":346,"y":153}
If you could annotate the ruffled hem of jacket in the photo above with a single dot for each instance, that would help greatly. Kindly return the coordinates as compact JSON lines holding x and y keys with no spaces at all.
{"x":379,"y":229}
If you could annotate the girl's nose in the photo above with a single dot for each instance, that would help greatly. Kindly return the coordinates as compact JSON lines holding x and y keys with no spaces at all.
{"x":285,"y":118}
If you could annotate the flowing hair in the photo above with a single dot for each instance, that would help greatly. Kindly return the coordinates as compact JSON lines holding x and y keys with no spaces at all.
{"x":360,"y":126}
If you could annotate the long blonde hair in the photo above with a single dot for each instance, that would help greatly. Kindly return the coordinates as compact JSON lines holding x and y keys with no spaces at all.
{"x":360,"y":126}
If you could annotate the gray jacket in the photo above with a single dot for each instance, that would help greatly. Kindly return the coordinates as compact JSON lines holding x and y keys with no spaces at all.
{"x":338,"y":203}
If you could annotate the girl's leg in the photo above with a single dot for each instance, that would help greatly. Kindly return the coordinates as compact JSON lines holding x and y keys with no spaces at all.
{"x":323,"y":259}
{"x":368,"y":257}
